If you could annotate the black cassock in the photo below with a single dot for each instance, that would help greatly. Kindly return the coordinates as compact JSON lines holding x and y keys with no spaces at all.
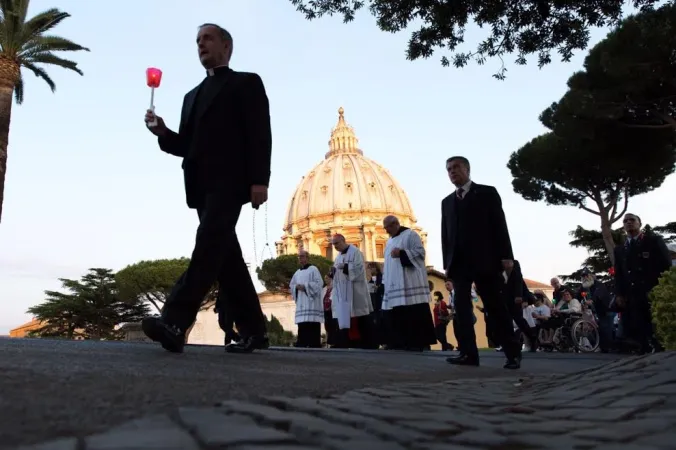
{"x":225,"y":141}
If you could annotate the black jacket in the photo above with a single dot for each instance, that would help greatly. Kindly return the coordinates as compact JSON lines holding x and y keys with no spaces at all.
{"x":487,"y":235}
{"x":224,"y":138}
{"x":639,"y":266}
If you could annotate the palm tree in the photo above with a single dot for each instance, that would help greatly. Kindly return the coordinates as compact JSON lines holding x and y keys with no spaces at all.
{"x":23,"y":43}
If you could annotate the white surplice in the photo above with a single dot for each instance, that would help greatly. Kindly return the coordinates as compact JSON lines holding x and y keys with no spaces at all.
{"x":309,"y":303}
{"x":405,"y":286}
{"x":350,"y":295}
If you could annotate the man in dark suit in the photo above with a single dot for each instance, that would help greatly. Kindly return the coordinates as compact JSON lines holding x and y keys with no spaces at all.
{"x":639,"y":262}
{"x":476,"y":248}
{"x":225,"y":142}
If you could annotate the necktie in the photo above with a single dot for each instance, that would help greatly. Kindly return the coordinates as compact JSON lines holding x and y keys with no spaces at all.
{"x":461,"y":193}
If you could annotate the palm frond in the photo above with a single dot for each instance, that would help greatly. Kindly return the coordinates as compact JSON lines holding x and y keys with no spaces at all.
{"x":6,"y":7}
{"x":18,"y":90}
{"x":41,"y":44}
{"x":42,"y":23}
{"x":50,"y":58}
{"x":40,"y":73}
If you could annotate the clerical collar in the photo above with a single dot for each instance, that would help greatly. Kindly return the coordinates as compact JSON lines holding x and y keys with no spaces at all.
{"x":220,"y":70}
{"x":305,"y":267}
{"x":401,"y":230}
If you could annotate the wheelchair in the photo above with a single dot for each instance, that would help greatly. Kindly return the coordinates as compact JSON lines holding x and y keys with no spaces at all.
{"x":577,"y":334}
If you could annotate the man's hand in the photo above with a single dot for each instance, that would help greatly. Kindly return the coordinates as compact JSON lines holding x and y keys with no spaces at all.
{"x":340,"y":266}
{"x":158,"y":130}
{"x":259,"y":195}
{"x":395,"y":253}
{"x":301,"y":287}
{"x":508,"y":265}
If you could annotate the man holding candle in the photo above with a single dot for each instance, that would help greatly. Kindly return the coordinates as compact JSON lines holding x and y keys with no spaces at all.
{"x":225,"y":141}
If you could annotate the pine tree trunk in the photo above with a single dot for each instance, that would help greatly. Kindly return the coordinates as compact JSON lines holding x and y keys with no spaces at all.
{"x":607,"y":233}
{"x":9,"y":74}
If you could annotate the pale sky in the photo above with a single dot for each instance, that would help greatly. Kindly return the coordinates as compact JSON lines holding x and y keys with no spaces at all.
{"x":100,"y":193}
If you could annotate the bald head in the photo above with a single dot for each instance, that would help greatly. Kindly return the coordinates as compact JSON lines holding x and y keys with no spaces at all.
{"x":339,"y":242}
{"x":391,"y":225}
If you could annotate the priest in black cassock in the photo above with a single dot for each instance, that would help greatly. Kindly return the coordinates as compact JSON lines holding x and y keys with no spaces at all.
{"x":225,"y":142}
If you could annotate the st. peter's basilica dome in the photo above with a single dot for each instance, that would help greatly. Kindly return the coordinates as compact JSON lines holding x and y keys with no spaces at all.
{"x":345,"y":193}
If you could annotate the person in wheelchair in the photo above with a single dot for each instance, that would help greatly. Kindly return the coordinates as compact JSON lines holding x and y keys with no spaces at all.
{"x":565,"y":309}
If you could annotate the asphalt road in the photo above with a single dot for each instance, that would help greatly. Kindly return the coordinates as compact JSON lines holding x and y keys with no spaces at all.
{"x":51,"y":388}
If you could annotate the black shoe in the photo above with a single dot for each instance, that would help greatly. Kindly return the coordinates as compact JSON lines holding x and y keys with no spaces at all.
{"x":513,"y":363}
{"x":232,"y":335}
{"x":248,"y":345}
{"x":463,"y":360}
{"x":170,"y":336}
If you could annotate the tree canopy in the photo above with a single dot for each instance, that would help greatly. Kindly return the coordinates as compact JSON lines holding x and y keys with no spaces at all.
{"x":523,"y":28}
{"x":629,"y":76}
{"x":90,"y":308}
{"x":150,"y":281}
{"x":276,"y":273}
{"x":597,"y":259}
{"x":589,"y":160}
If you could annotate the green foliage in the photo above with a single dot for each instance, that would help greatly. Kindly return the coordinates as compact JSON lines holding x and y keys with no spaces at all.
{"x":150,"y":281}
{"x":26,"y":42}
{"x":663,"y":298}
{"x":91,"y":308}
{"x":278,"y":336}
{"x":589,"y":158}
{"x":598,"y":260}
{"x":628,"y":77}
{"x":276,"y":273}
{"x":525,"y":27}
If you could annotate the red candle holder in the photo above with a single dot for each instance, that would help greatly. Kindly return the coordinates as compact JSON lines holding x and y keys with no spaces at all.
{"x":153,"y":80}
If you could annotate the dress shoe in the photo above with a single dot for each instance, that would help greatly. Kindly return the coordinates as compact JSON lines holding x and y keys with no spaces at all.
{"x":513,"y":363}
{"x":249,"y":344}
{"x":170,"y":336}
{"x":231,"y":336}
{"x":463,"y":360}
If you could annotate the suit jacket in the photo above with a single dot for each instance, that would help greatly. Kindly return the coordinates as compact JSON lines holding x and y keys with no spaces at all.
{"x":225,"y":139}
{"x":638,"y":269}
{"x":488,"y":241}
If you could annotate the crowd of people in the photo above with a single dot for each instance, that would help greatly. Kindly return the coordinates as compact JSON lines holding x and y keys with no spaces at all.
{"x":225,"y":142}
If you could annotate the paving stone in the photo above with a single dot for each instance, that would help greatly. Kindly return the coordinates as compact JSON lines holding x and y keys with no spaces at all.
{"x":340,"y":444}
{"x":547,"y":442}
{"x":627,"y":447}
{"x":58,"y":444}
{"x":272,"y":447}
{"x":484,"y":438}
{"x":214,"y":428}
{"x":638,"y":402}
{"x":554,"y":427}
{"x":659,"y":440}
{"x":605,"y":414}
{"x":395,"y":433}
{"x":435,"y":428}
{"x":155,"y":432}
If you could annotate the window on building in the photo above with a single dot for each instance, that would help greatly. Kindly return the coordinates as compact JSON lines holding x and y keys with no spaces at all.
{"x":327,"y":252}
{"x":380,"y":251}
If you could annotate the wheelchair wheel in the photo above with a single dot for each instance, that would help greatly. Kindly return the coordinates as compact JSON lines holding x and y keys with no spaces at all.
{"x":585,"y":335}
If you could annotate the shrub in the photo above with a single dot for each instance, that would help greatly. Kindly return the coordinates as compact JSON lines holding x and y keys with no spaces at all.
{"x":663,"y":297}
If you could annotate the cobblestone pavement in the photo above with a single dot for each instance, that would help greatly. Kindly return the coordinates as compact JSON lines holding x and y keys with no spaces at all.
{"x":53,"y":388}
{"x":628,"y":404}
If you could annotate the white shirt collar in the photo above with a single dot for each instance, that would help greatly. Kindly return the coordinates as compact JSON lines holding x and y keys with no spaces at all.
{"x":465,"y":187}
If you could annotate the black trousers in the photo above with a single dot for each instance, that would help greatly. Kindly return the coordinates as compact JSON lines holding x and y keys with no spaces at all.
{"x":331,"y":328}
{"x":440,"y":331}
{"x":309,"y":335}
{"x":488,"y":287}
{"x":217,"y":257}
